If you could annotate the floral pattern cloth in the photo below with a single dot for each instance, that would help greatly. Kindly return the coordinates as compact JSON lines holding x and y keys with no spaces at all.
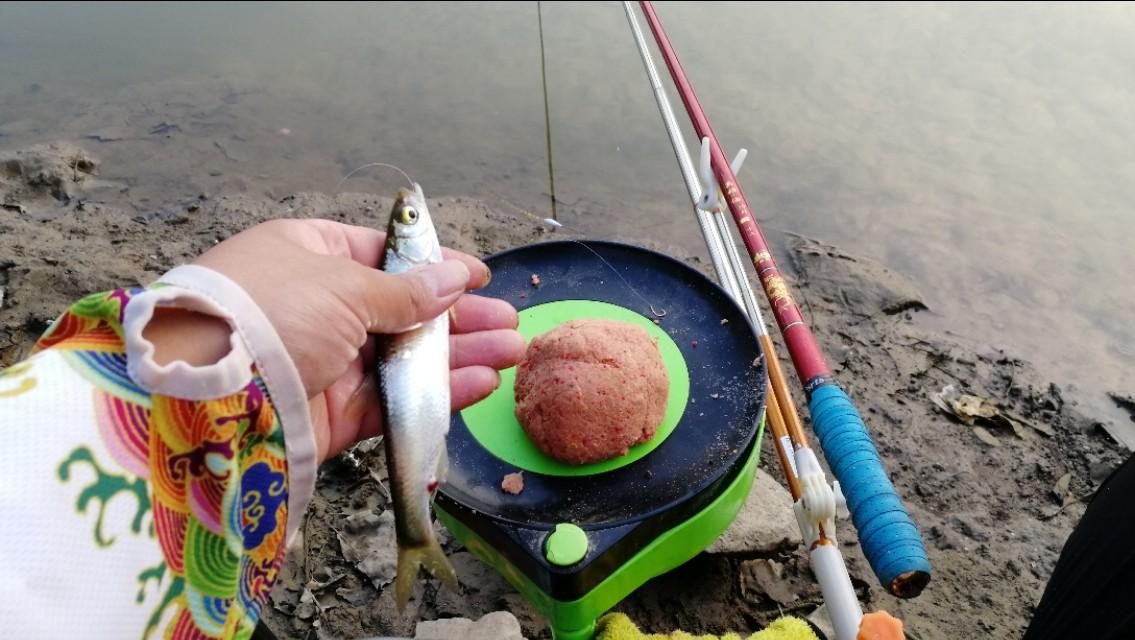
{"x":197,"y":491}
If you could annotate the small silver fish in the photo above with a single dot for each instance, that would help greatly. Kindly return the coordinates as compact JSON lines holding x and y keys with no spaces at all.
{"x":413,"y":372}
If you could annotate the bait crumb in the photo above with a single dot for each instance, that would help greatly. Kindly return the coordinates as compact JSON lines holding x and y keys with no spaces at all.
{"x":657,"y":322}
{"x":715,"y":396}
{"x":694,"y":344}
{"x":724,"y":321}
{"x":535,"y":280}
{"x":513,"y":483}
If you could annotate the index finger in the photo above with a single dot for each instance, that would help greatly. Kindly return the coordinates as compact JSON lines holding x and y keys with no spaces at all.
{"x":365,"y":246}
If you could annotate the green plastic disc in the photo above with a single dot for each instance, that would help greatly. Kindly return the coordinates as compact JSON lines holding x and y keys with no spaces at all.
{"x":566,"y":545}
{"x":493,"y":422}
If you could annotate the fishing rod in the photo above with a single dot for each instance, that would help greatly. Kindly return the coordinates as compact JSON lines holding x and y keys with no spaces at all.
{"x":723,"y":255}
{"x":790,"y":443}
{"x":889,"y":538}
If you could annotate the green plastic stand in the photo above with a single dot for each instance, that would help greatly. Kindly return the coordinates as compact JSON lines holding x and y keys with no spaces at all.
{"x":575,"y":620}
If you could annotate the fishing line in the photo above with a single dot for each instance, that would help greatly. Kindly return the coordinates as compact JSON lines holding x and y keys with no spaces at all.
{"x":547,"y":116}
{"x":555,"y":224}
{"x":374,"y":164}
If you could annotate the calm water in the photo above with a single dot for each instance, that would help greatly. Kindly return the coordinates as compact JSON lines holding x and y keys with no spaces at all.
{"x":986,"y":150}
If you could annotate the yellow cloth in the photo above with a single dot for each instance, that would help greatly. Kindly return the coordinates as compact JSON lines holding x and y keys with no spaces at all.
{"x":617,"y":626}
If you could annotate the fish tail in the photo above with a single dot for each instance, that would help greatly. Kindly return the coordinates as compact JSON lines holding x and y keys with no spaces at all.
{"x":410,"y":559}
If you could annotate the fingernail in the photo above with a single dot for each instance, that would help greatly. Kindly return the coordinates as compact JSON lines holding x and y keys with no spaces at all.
{"x":446,"y":278}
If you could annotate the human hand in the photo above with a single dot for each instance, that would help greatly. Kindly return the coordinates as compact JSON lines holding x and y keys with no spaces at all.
{"x":317,"y":282}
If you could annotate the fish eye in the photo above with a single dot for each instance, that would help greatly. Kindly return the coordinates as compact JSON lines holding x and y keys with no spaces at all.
{"x":407,"y":215}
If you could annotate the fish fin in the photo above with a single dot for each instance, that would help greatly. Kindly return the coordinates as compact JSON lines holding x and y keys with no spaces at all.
{"x":411,"y":559}
{"x":442,"y":465}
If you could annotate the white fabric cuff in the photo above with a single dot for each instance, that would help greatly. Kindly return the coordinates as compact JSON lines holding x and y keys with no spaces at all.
{"x":178,"y":379}
{"x":254,"y":339}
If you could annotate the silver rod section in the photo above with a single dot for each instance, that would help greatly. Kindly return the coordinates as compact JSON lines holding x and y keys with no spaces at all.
{"x":718,"y":239}
{"x":748,"y":299}
{"x":717,"y":254}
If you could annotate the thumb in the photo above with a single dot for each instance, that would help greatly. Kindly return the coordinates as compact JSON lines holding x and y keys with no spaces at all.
{"x":394,"y":303}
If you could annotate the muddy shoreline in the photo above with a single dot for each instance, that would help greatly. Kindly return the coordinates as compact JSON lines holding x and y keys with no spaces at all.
{"x":995,"y":500}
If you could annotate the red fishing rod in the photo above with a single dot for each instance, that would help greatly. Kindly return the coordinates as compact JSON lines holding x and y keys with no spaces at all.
{"x":889,"y":538}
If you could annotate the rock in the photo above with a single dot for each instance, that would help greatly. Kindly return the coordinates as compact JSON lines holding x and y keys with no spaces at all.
{"x":859,"y":285}
{"x":822,"y":621}
{"x":532,"y":623}
{"x":499,"y":625}
{"x":765,"y":524}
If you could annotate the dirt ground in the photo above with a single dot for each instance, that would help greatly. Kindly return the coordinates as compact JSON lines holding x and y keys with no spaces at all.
{"x":995,"y":500}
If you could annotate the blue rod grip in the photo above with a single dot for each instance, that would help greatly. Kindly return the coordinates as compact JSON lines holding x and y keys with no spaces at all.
{"x":890,"y":539}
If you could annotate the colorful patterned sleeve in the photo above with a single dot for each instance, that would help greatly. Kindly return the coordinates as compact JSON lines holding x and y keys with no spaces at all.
{"x":141,"y":501}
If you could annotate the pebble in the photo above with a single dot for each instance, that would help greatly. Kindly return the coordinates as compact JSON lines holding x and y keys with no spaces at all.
{"x":765,"y":524}
{"x":822,"y":621}
{"x":499,"y":625}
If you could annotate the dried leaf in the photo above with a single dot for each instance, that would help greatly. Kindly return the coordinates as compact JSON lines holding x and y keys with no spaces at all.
{"x":1041,"y":427}
{"x":368,"y":541}
{"x":986,"y":437}
{"x":943,"y":399}
{"x":307,"y":607}
{"x":1062,"y":490}
{"x":969,"y":408}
